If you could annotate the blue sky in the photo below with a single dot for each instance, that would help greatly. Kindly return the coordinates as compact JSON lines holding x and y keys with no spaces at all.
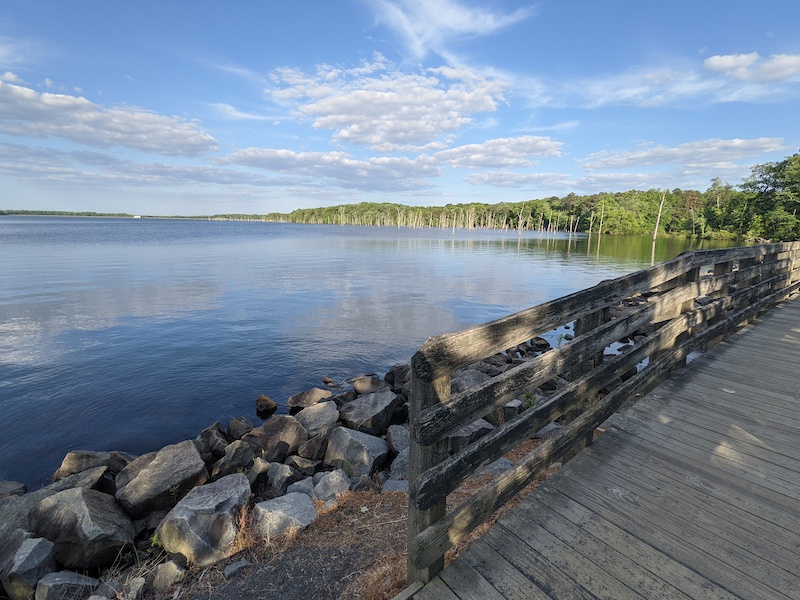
{"x":205,"y":107}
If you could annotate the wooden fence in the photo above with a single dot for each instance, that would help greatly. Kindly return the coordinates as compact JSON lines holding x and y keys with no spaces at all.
{"x":687,"y":303}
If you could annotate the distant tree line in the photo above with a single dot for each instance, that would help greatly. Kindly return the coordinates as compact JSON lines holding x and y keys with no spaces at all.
{"x":764,"y":206}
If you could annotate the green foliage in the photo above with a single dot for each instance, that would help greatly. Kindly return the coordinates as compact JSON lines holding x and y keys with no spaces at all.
{"x":529,"y":399}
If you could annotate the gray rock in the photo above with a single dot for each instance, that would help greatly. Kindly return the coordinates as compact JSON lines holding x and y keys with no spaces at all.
{"x":273,"y":518}
{"x":12,"y":488}
{"x":363,"y":484}
{"x":399,"y":469}
{"x":166,"y":575}
{"x":398,"y":376}
{"x":65,"y":585}
{"x":87,"y":527}
{"x":233,"y":568}
{"x":547,"y":431}
{"x":467,"y":379}
{"x":238,"y":458}
{"x":308,"y":398}
{"x":163,"y":480}
{"x":396,"y":485}
{"x":281,"y":477}
{"x":259,"y":473}
{"x":498,"y":467}
{"x":304,"y":466}
{"x":356,"y":452}
{"x":10,"y":546}
{"x":315,"y":447}
{"x":239,"y":426}
{"x":469,"y":433}
{"x":371,"y":413}
{"x":304,"y":486}
{"x":398,"y":438}
{"x":331,"y":485}
{"x":33,"y":560}
{"x":14,"y":509}
{"x":78,"y":461}
{"x":369,"y":384}
{"x":127,"y":474}
{"x":265,"y":407}
{"x":133,"y":588}
{"x":202,"y":527}
{"x":318,"y":418}
{"x":276,"y":439}
{"x":214,"y":439}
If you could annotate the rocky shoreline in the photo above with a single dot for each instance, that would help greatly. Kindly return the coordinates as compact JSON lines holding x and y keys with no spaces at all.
{"x":198,"y":502}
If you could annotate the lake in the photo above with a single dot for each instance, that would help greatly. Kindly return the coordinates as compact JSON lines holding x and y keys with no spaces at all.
{"x":129,"y":334}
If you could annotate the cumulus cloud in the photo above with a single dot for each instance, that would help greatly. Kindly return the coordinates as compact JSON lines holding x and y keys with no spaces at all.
{"x":432,"y":26}
{"x":378,"y":106}
{"x":752,"y":67}
{"x":341,"y":169}
{"x":500,"y":152}
{"x":704,"y":155}
{"x":9,"y":77}
{"x":25,"y":112}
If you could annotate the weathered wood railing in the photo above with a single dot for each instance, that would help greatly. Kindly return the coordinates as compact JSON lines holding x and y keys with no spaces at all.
{"x":689,"y":302}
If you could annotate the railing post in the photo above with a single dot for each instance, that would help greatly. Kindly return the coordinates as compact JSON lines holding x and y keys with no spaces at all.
{"x":424,"y":394}
{"x":690,"y":276}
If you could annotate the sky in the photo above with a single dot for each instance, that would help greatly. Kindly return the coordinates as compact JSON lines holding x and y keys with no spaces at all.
{"x":205,"y":107}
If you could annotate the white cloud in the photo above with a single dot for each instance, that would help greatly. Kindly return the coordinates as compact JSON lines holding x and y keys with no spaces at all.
{"x":433,"y":25}
{"x":500,"y":152}
{"x":523,"y":181}
{"x":704,"y":155}
{"x":233,"y":113}
{"x":388,"y":110}
{"x":9,"y":77}
{"x":25,"y":112}
{"x":341,"y":169}
{"x":751,"y":67}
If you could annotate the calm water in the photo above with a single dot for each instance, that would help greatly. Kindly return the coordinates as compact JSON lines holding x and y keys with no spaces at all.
{"x":131,"y":334}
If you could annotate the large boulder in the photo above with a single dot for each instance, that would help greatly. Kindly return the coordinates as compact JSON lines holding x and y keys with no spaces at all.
{"x":397,"y":376}
{"x":78,"y":461}
{"x":281,"y":476}
{"x":319,"y":417}
{"x":86,"y":526}
{"x":265,"y":407}
{"x":276,"y":439}
{"x":356,"y":452}
{"x":65,"y":585}
{"x":33,"y":560}
{"x":12,"y":488}
{"x":369,"y":384}
{"x":201,"y":529}
{"x":14,"y":509}
{"x":463,"y":437}
{"x":272,"y":518}
{"x":238,"y":426}
{"x":315,"y":447}
{"x":371,"y":413}
{"x":331,"y":485}
{"x":307,"y":398}
{"x":160,"y":480}
{"x":238,"y":458}
{"x":399,"y":468}
{"x":467,"y":379}
{"x":213,"y":440}
{"x":398,"y":438}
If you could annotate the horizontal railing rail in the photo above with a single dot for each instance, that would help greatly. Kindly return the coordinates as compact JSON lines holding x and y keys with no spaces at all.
{"x":684,"y":304}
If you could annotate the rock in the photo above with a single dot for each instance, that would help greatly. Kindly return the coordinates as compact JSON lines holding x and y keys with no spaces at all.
{"x":498,"y":467}
{"x":265,"y":407}
{"x":65,"y":585}
{"x":344,"y":397}
{"x":399,"y":468}
{"x":202,"y":527}
{"x":328,"y":381}
{"x":11,"y":544}
{"x":398,"y":438}
{"x":276,"y":439}
{"x":356,"y":452}
{"x":127,"y":474}
{"x":33,"y":560}
{"x":233,"y":568}
{"x":259,"y":473}
{"x":307,"y":398}
{"x":318,"y":418}
{"x":162,"y":480}
{"x":463,"y":437}
{"x":541,"y":343}
{"x":12,"y":488}
{"x":273,"y":518}
{"x":369,"y":384}
{"x":78,"y":461}
{"x":547,"y":431}
{"x":363,"y":484}
{"x":166,"y":575}
{"x":304,"y":486}
{"x":371,"y":413}
{"x":238,"y":426}
{"x":133,"y":589}
{"x":14,"y":509}
{"x":467,"y":379}
{"x":398,"y":376}
{"x":238,"y":457}
{"x":512,"y":409}
{"x":315,"y":447}
{"x":396,"y":485}
{"x":86,"y":526}
{"x":304,"y":466}
{"x":331,"y":485}
{"x":214,"y":439}
{"x":281,"y":477}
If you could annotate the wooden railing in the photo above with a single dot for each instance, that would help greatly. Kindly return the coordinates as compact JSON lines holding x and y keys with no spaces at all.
{"x":687,"y":303}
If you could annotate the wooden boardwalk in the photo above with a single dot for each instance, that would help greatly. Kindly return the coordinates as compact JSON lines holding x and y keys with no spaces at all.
{"x":692,"y":493}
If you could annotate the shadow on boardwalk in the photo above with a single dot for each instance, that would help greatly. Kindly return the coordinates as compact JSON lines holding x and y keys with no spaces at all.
{"x":692,"y":493}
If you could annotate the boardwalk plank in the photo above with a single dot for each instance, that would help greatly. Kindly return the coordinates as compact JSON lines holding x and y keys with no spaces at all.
{"x":466,"y":583}
{"x":505,"y":578}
